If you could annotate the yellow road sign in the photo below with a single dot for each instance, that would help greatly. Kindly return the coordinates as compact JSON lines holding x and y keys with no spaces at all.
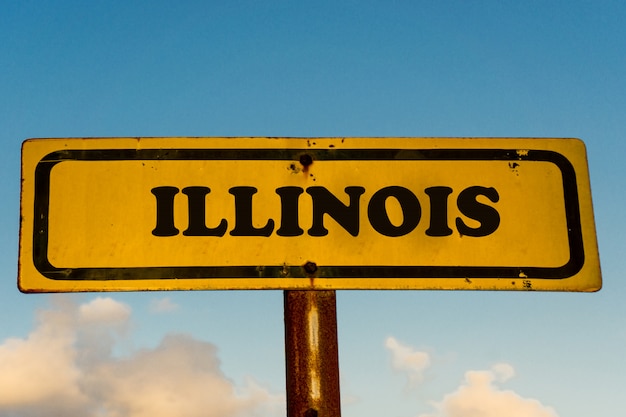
{"x":123,"y":214}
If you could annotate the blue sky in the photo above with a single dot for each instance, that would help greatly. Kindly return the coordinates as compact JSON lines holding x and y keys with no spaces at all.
{"x":367,"y":68}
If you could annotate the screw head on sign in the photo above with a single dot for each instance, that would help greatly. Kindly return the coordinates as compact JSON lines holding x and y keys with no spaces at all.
{"x":310,"y":267}
{"x":306,"y":160}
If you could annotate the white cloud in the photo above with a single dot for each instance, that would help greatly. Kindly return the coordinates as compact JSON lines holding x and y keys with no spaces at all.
{"x":180,"y":377}
{"x":479,"y":396}
{"x":163,"y":305}
{"x":406,"y":359}
{"x":502,"y":372}
{"x":65,"y":368}
{"x":42,"y":368}
{"x":105,"y":311}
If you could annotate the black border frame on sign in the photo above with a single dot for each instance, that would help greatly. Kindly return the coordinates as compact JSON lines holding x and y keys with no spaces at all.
{"x":42,"y":196}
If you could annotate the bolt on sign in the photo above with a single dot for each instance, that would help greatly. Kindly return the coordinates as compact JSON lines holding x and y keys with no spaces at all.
{"x":123,"y":214}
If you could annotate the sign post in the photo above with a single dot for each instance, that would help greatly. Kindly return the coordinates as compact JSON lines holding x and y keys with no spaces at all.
{"x":311,"y":354}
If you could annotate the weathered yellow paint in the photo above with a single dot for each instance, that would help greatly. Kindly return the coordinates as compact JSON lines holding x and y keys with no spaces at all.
{"x":90,"y":227}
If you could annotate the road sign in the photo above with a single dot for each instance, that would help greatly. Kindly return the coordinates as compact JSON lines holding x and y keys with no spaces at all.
{"x":128,"y":214}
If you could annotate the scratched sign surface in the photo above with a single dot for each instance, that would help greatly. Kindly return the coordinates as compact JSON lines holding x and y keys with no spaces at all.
{"x":122,"y":214}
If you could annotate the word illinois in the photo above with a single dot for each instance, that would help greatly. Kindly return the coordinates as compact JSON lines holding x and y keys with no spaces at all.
{"x":326,"y":203}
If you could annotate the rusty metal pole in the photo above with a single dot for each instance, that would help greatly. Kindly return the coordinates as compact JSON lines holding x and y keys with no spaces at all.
{"x":311,"y":352}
